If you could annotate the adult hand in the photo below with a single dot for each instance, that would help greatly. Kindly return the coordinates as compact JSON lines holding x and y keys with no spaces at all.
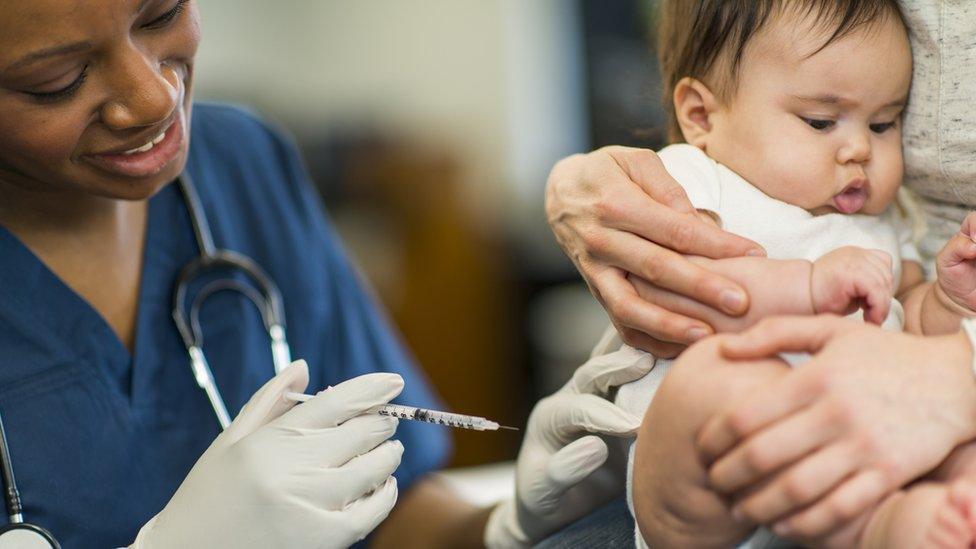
{"x":563,"y":473}
{"x":314,"y":475}
{"x":616,"y":211}
{"x":870,"y":411}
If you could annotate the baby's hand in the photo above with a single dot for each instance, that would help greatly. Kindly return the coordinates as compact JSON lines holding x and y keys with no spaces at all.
{"x":850,"y":278}
{"x":956,"y":267}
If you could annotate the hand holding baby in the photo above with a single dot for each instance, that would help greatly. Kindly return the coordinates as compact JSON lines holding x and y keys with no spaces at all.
{"x":849,"y":278}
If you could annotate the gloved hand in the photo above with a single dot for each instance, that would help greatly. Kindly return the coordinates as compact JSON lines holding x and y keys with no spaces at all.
{"x":559,"y":476}
{"x":315,"y":475}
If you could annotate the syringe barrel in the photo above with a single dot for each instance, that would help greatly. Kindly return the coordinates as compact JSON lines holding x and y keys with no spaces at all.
{"x":432,"y":416}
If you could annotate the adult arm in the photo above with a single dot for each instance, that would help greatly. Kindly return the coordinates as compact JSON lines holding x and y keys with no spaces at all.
{"x":869,"y":412}
{"x":617,"y":212}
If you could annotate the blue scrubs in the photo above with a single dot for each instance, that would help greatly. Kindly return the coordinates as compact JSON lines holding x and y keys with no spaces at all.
{"x":101,"y":439}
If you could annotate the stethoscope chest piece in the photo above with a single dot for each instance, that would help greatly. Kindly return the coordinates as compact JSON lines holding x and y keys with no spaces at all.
{"x":22,"y":535}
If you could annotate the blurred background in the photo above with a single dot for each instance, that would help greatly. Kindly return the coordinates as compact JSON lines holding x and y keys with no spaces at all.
{"x":429,"y":127}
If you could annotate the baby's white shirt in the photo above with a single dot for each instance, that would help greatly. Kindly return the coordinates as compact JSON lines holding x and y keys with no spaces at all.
{"x":784,"y":230}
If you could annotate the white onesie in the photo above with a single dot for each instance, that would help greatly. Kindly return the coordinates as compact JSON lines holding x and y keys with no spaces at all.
{"x":784,"y":230}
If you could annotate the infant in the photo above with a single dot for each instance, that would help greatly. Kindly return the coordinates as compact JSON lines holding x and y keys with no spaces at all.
{"x":790,"y":117}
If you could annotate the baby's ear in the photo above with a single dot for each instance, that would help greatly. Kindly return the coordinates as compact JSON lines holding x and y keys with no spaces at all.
{"x":694,"y":105}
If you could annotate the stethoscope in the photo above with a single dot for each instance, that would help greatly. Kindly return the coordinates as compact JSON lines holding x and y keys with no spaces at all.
{"x":265,"y":295}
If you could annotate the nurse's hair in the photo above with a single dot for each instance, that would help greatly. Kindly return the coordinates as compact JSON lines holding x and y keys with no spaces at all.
{"x":706,"y":39}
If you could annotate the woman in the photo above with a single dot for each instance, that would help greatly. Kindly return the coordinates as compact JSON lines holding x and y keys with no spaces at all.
{"x":104,"y":419}
{"x":626,"y":224}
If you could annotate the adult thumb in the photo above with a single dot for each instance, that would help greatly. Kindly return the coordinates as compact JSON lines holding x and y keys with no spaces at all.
{"x":268,"y":403}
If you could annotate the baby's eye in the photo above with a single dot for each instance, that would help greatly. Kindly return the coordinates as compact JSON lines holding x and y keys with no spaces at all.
{"x":818,"y":124}
{"x":882,"y":127}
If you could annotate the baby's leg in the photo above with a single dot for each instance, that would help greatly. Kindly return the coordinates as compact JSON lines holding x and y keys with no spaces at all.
{"x":938,"y":511}
{"x":673,"y":504}
{"x":926,"y":515}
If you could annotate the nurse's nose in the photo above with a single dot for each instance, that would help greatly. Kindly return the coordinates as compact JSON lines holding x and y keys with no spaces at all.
{"x":856,"y":148}
{"x":146,"y":93}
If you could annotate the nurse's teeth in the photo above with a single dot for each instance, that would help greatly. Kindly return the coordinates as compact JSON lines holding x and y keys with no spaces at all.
{"x":153,"y":142}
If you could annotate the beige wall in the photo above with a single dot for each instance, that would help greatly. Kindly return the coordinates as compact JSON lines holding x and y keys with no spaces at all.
{"x":496,"y":80}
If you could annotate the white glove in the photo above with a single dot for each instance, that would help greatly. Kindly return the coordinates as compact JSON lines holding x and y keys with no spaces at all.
{"x":315,"y":475}
{"x":560,"y":477}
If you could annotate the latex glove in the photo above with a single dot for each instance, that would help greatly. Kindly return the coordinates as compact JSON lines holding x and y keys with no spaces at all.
{"x":315,"y":475}
{"x":561,"y":476}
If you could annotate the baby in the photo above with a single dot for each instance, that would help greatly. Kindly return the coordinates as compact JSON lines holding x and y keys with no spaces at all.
{"x":790,"y":113}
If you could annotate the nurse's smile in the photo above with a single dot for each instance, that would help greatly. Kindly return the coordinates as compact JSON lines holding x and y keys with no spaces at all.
{"x":148,"y":155}
{"x":96,"y":95}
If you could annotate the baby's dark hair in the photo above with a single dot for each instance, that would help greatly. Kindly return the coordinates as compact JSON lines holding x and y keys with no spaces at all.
{"x":696,"y":37}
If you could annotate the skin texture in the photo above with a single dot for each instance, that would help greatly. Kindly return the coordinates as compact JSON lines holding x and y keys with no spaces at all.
{"x":859,"y":140}
{"x":88,"y":224}
{"x":85,"y":224}
{"x":836,"y":414}
{"x":674,"y":496}
{"x":856,"y":87}
{"x":616,"y":211}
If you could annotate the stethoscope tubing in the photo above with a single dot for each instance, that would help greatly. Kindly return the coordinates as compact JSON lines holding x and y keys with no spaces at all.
{"x":264,"y":294}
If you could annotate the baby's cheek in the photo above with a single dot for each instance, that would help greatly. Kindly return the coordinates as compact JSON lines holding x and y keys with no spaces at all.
{"x":806,"y":190}
{"x":886,"y":178}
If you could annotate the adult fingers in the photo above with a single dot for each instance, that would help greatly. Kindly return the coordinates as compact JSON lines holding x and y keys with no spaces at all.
{"x":773,"y":448}
{"x":783,"y":398}
{"x":800,"y":485}
{"x":775,"y":335}
{"x":644,"y":167}
{"x":675,"y":224}
{"x":346,"y":400}
{"x":853,"y":497}
{"x":664,"y":267}
{"x":675,"y":303}
{"x":353,"y":438}
{"x":601,"y":373}
{"x":365,"y":514}
{"x":268,"y":403}
{"x":562,"y":417}
{"x":362,"y":474}
{"x":627,"y":309}
{"x":575,"y":461}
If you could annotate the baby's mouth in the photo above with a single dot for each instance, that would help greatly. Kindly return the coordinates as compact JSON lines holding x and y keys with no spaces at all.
{"x":852,"y":198}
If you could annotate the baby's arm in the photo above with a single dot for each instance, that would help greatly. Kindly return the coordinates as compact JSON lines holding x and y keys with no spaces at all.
{"x":933,"y":308}
{"x":839,"y":282}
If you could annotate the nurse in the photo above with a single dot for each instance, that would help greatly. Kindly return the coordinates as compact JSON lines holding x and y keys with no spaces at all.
{"x":111,"y":439}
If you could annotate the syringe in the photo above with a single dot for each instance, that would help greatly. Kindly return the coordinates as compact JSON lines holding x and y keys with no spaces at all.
{"x":459,"y":421}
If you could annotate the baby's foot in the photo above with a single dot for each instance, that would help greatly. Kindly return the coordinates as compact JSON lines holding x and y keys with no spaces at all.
{"x":928,"y":515}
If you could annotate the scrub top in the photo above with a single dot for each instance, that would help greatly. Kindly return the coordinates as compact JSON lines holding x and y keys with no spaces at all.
{"x":101,"y":439}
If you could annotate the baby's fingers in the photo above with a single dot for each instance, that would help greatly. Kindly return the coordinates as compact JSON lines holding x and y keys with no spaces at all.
{"x":876,"y":293}
{"x":969,"y":225}
{"x":959,"y":248}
